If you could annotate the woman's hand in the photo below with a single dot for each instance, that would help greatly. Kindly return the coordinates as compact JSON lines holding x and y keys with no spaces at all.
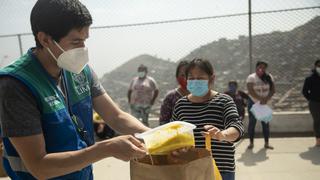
{"x":214,"y":132}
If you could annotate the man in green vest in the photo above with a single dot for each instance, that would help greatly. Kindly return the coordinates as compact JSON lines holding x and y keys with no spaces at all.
{"x":47,"y":99}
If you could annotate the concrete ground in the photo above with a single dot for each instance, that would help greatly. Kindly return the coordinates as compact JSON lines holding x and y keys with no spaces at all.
{"x":292,"y":159}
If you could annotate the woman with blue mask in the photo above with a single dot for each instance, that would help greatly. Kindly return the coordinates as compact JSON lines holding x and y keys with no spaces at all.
{"x":215,"y":114}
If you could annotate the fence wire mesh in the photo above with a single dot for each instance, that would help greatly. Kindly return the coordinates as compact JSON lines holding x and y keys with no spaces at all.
{"x":285,"y":34}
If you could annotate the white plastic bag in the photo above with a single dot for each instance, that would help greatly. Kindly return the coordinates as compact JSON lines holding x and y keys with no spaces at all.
{"x":261,"y":112}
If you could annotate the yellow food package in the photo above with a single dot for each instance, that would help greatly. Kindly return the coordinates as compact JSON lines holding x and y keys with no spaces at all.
{"x":168,"y":137}
{"x":216,"y":172}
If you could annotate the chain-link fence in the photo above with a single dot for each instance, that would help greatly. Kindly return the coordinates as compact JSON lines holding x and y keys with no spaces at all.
{"x":290,"y":53}
{"x":285,"y":34}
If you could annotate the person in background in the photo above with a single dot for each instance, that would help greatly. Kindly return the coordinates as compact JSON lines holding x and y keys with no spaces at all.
{"x":102,"y":130}
{"x":239,"y":97}
{"x":142,"y":93}
{"x":173,"y":95}
{"x":213,"y":113}
{"x":260,"y":89}
{"x":311,"y":91}
{"x":47,"y":98}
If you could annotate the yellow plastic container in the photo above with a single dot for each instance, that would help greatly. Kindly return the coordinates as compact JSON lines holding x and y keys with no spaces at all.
{"x":168,"y":137}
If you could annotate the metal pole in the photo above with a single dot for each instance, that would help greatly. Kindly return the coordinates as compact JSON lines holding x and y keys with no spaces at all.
{"x":250,"y":37}
{"x":20,"y":44}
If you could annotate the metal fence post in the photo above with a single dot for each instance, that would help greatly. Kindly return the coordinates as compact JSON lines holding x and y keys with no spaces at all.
{"x":20,"y":44}
{"x":250,"y":37}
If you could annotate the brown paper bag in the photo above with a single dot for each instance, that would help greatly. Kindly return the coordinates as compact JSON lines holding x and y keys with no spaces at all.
{"x":195,"y":164}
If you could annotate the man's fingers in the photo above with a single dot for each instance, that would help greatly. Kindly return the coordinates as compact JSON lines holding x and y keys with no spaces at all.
{"x":138,"y":153}
{"x":136,"y":142}
{"x":138,"y":148}
{"x":177,"y":152}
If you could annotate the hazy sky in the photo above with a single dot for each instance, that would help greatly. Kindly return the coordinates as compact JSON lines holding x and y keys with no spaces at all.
{"x":111,"y":47}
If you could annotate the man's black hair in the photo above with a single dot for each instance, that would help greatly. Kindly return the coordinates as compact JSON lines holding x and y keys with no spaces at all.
{"x":317,"y":62}
{"x":181,"y":64}
{"x":143,"y":67}
{"x":202,"y":64}
{"x":233,"y":82}
{"x":58,"y":17}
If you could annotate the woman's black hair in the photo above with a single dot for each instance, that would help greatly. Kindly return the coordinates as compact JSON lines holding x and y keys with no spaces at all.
{"x":181,"y":64}
{"x":261,"y":63}
{"x":202,"y":64}
{"x":266,"y":78}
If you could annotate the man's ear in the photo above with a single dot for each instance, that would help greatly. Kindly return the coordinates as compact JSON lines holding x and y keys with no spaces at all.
{"x":44,"y":39}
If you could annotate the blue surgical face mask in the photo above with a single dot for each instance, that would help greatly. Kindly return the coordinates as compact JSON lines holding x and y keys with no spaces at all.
{"x":198,"y":88}
{"x":232,"y":89}
{"x":318,"y":70}
{"x":141,"y":74}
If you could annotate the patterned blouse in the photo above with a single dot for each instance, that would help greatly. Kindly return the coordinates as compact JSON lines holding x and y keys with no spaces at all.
{"x":167,"y":105}
{"x":221,"y":112}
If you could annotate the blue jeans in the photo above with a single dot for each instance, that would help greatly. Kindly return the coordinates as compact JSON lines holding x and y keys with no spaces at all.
{"x":228,"y":175}
{"x":141,"y":112}
{"x":252,"y":125}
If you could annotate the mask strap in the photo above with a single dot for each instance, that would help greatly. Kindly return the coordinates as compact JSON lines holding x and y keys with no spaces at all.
{"x":58,"y":46}
{"x":50,"y":52}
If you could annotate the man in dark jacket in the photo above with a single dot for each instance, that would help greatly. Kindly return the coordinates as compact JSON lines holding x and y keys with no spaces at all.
{"x":239,"y":97}
{"x":311,"y":91}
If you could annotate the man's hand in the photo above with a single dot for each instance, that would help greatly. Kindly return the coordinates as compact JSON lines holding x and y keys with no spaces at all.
{"x":43,"y":165}
{"x":125,"y":147}
{"x":214,"y":132}
{"x":175,"y":156}
{"x":177,"y":152}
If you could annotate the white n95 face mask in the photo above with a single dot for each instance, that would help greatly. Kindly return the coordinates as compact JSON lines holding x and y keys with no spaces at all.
{"x":73,"y":60}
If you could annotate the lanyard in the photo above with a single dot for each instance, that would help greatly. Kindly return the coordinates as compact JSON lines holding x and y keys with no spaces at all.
{"x":78,"y":123}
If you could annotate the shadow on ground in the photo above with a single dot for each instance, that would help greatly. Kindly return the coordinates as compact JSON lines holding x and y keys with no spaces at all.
{"x":312,"y":154}
{"x":250,"y":158}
